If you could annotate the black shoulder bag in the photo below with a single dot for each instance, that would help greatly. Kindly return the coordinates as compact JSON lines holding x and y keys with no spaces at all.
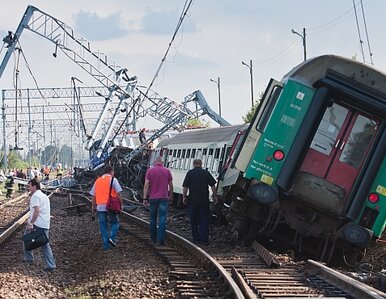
{"x":35,"y":239}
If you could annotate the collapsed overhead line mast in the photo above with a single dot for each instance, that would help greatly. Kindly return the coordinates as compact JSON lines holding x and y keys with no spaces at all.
{"x":111,"y":75}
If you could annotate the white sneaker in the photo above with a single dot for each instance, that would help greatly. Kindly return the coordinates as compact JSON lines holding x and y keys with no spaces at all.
{"x":112,"y":243}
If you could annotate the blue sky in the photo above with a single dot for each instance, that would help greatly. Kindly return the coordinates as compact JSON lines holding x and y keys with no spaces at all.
{"x":214,"y":39}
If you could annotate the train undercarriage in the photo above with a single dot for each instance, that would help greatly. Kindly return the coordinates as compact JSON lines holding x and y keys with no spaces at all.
{"x":305,"y":231}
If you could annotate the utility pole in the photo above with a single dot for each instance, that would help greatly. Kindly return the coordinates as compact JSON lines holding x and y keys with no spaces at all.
{"x":219,"y":95}
{"x":5,"y":160}
{"x":251,"y":75}
{"x":29,"y":130}
{"x":303,"y":36}
{"x":44,"y":140}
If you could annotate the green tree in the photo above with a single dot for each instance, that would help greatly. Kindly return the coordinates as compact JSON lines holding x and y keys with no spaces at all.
{"x":65,"y":155}
{"x":15,"y":160}
{"x":247,"y":118}
{"x":50,"y":155}
{"x":194,"y":123}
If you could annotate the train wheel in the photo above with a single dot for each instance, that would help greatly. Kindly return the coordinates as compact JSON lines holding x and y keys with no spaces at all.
{"x":353,"y":257}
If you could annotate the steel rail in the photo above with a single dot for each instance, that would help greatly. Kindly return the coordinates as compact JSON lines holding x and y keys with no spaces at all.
{"x":16,"y":225}
{"x":205,"y":258}
{"x":344,"y":282}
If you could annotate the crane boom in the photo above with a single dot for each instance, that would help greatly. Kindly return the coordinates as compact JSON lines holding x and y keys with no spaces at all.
{"x":109,"y":73}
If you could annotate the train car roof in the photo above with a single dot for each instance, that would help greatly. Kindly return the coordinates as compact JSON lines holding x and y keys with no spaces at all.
{"x":314,"y":69}
{"x":204,"y":135}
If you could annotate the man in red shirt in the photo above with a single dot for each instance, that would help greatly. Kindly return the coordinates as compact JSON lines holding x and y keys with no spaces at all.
{"x":158,"y":189}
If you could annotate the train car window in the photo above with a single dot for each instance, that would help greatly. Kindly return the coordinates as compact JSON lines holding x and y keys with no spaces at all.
{"x":187,"y":160}
{"x":329,"y":128}
{"x":216,"y":161}
{"x":220,"y":165}
{"x":182,"y":165}
{"x":358,"y":141}
{"x":209,"y":163}
{"x":204,"y":157}
{"x":199,"y":154}
{"x":217,"y":153}
{"x":178,"y":159}
{"x":193,"y":155}
{"x":174,"y":159}
{"x":268,"y":107}
{"x":170,"y":159}
{"x":211,"y":151}
{"x":214,"y":166}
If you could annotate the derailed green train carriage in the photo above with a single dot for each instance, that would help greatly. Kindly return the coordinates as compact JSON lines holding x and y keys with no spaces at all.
{"x":312,"y":166}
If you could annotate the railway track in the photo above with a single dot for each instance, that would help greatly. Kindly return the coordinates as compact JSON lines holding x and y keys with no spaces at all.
{"x":258,"y":274}
{"x":197,"y":274}
{"x":264,"y":276}
{"x":12,"y":210}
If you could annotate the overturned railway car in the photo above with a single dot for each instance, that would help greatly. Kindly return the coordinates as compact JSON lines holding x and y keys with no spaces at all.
{"x":312,"y":168}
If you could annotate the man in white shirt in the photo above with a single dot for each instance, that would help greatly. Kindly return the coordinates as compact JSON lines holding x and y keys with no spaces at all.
{"x":39,"y":218}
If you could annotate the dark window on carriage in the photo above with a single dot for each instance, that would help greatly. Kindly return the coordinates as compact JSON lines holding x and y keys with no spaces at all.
{"x":221,"y":164}
{"x":268,"y":107}
{"x":193,"y":153}
{"x":216,"y":161}
{"x":204,"y":153}
{"x":169,"y":158}
{"x":209,"y":162}
{"x":174,"y":159}
{"x":217,"y":153}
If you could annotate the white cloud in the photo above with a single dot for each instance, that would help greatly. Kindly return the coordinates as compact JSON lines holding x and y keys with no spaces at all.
{"x":99,"y":28}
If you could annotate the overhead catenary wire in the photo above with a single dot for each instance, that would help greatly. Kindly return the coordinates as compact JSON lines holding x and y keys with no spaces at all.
{"x":367,"y":33}
{"x":185,"y":10}
{"x":16,"y":75}
{"x":359,"y":32}
{"x":58,"y":116}
{"x":36,"y":83}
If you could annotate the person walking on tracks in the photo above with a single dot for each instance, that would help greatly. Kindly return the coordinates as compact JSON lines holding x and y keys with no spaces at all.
{"x":39,"y":218}
{"x":100,"y":192}
{"x":197,"y":181}
{"x":157,"y":191}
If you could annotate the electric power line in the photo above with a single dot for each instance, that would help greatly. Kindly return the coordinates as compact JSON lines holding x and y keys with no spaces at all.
{"x":367,"y":34}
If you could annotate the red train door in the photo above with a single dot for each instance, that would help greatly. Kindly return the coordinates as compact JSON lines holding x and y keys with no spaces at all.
{"x":340,"y":145}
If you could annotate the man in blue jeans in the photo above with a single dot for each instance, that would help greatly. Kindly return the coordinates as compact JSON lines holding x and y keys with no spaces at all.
{"x":101,"y":192}
{"x":158,"y":189}
{"x":197,"y":181}
{"x":39,"y":218}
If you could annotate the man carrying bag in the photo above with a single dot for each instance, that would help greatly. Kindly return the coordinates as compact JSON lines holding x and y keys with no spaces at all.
{"x":38,"y":224}
{"x":104,"y":187}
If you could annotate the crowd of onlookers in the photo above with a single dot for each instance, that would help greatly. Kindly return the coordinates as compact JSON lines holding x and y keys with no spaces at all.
{"x":31,"y":173}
